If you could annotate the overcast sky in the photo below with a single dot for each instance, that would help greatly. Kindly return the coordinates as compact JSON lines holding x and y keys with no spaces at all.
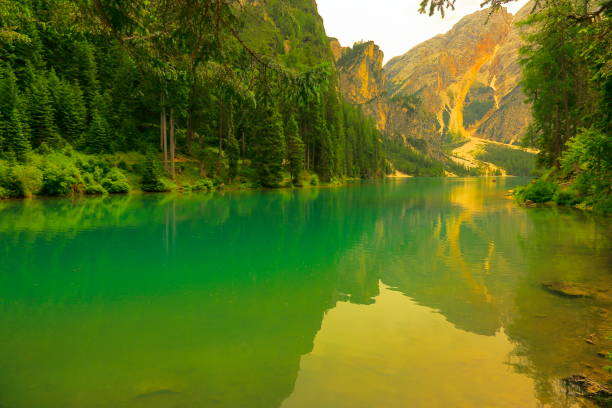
{"x":395,"y":25}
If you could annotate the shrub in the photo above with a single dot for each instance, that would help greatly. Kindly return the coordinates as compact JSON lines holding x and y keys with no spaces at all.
{"x":116,"y":182}
{"x":566,"y":197}
{"x":92,"y":186}
{"x":30,"y":178}
{"x":203,"y":185}
{"x":9,"y":182}
{"x":151,"y":176}
{"x":301,"y":179}
{"x":603,"y":205}
{"x":60,"y":176}
{"x":314,"y":180}
{"x":539,"y":191}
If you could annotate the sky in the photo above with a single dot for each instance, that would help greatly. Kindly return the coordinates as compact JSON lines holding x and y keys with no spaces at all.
{"x":395,"y":25}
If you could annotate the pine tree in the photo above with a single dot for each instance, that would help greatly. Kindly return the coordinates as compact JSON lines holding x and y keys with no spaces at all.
{"x":151,"y":175}
{"x":87,"y":75}
{"x":295,"y":150}
{"x":98,"y":140}
{"x":69,"y":107}
{"x":269,"y":146}
{"x":13,"y":137}
{"x":41,"y":113}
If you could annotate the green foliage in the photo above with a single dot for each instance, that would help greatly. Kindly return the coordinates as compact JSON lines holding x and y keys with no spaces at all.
{"x":589,"y":156}
{"x":410,"y":160}
{"x":539,"y":191}
{"x":9,"y":183}
{"x":295,"y":150}
{"x":69,"y":107}
{"x":60,"y":176}
{"x":203,"y":185}
{"x":567,"y":79}
{"x":270,"y":147}
{"x":151,"y":176}
{"x":566,"y":197}
{"x":115,"y":182}
{"x":67,"y":79}
{"x":475,"y":110}
{"x":41,"y":113}
{"x":314,"y":180}
{"x":92,"y":186}
{"x":516,"y":162}
{"x":30,"y":179}
{"x":13,"y":128}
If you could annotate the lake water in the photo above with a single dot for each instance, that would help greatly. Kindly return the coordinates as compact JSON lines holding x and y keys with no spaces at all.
{"x":405,"y":293}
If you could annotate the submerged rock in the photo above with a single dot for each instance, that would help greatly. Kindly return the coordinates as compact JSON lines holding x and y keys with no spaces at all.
{"x":567,"y":289}
{"x":583,"y":386}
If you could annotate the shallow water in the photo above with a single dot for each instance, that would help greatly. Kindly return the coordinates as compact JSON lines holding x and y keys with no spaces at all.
{"x":407,"y":293}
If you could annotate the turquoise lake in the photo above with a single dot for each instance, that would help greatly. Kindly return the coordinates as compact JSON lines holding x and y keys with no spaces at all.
{"x":402,"y":293}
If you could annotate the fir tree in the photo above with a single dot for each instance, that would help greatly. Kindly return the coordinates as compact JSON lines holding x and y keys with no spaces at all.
{"x":41,"y":120}
{"x":87,"y":75}
{"x":151,"y":175}
{"x":69,"y":107}
{"x":13,"y":136}
{"x":98,"y":140}
{"x":269,"y":146}
{"x":295,"y":150}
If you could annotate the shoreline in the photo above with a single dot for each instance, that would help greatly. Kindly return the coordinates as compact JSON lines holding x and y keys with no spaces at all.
{"x":238,"y":188}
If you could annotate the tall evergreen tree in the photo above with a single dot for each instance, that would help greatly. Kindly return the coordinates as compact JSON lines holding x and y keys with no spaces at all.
{"x":13,"y":135}
{"x":98,"y":140}
{"x":269,"y":146}
{"x":69,"y":108}
{"x":295,"y":150}
{"x":41,"y":113}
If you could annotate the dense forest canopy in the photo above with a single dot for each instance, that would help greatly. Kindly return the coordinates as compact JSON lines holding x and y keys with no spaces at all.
{"x":201,"y":81}
{"x":567,"y":67}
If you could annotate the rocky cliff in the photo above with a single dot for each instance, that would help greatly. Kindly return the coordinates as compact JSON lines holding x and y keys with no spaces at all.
{"x":363,"y":82}
{"x":459,"y":84}
{"x":469,"y":77}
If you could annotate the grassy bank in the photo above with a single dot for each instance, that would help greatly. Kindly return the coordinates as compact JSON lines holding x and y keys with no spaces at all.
{"x":68,"y":172}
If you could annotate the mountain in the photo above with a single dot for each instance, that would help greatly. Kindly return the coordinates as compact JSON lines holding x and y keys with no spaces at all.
{"x":364,"y":82}
{"x":462,"y":83}
{"x":469,"y":77}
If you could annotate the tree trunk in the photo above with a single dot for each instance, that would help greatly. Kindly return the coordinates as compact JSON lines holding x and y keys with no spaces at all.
{"x":190,"y":129}
{"x":221,"y":125}
{"x":243,"y":145}
{"x":164,"y":135}
{"x":172,"y":143}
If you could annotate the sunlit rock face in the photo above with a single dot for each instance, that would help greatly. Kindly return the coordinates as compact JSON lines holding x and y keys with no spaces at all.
{"x":362,"y":78}
{"x":363,"y":82}
{"x":469,"y":77}
{"x":508,"y":121}
{"x":465,"y":82}
{"x":337,"y":48}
